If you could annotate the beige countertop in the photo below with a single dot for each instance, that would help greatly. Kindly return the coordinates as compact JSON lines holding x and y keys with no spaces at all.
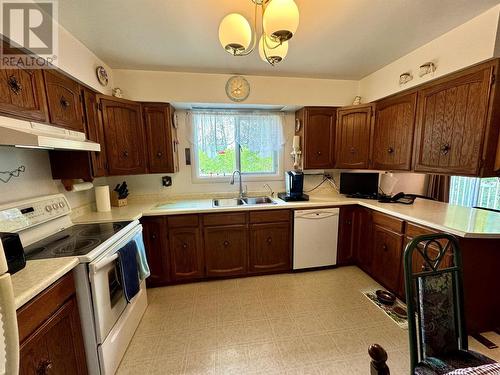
{"x":38,"y":275}
{"x":457,"y":220}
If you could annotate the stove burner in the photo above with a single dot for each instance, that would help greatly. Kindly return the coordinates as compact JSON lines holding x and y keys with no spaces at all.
{"x":100,"y":230}
{"x":75,"y":247}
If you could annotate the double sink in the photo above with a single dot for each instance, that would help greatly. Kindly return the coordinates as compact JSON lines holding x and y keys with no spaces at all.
{"x":247,"y":201}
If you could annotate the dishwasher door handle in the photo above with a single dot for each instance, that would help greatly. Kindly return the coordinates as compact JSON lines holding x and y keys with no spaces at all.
{"x":316,"y":215}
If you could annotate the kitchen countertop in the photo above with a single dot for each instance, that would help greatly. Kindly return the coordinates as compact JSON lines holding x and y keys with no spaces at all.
{"x":38,"y":275}
{"x":457,"y":220}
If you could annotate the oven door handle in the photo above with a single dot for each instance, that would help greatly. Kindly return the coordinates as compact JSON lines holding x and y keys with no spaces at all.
{"x":103,"y":262}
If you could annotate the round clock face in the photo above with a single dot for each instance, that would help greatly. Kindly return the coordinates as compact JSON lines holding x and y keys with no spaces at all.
{"x":237,"y":88}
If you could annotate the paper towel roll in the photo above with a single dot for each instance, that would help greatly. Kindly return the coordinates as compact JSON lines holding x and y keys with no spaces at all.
{"x":102,"y":200}
{"x":83,"y":186}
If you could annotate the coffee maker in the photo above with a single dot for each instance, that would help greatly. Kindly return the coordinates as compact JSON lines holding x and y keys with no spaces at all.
{"x":294,"y":183}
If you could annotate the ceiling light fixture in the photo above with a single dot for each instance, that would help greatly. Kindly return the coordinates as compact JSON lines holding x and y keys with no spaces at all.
{"x":280,"y":20}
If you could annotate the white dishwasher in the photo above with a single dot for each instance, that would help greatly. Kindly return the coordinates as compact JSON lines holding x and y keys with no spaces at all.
{"x":315,"y":238}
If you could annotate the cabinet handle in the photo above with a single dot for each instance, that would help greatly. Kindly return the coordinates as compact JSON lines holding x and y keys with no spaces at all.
{"x":44,"y":367}
{"x":184,"y":245}
{"x":14,"y":85}
{"x":159,"y":154}
{"x":226,"y":243}
{"x":269,"y":240}
{"x":64,"y":102}
{"x":353,"y":150}
{"x":445,"y":149}
{"x":153,"y":236}
{"x":384,"y":247}
{"x":390,"y":150}
{"x":125,"y":154}
{"x":319,"y":153}
{"x":348,"y":222}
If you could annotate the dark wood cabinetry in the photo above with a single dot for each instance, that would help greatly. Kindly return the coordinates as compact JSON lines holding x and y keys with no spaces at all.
{"x":124,"y":136}
{"x":451,"y":123}
{"x":346,"y":253}
{"x":95,"y":132}
{"x":317,"y":132}
{"x":50,"y":332}
{"x":161,"y":147}
{"x":354,"y":128}
{"x":156,"y":244}
{"x":226,"y":250}
{"x":393,"y":132}
{"x":270,"y":247}
{"x":64,"y":100}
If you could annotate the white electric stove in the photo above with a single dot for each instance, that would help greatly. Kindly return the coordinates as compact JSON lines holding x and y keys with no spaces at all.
{"x":46,"y":231}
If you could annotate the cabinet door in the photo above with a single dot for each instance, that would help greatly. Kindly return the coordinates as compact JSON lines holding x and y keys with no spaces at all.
{"x":387,"y":257}
{"x":346,"y":253}
{"x":362,"y":238}
{"x":393,"y":133}
{"x":451,"y":124}
{"x":124,"y":137}
{"x":186,"y":254}
{"x":158,"y":124}
{"x":22,"y":94}
{"x":156,"y":244}
{"x":318,"y":137}
{"x":270,"y":247}
{"x":63,"y":99}
{"x":95,"y":132}
{"x":354,"y":127}
{"x":226,"y":250}
{"x":57,"y":346}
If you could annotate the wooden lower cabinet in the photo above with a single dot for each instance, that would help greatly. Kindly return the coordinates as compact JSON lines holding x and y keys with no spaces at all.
{"x":270,"y":247}
{"x":226,"y":250}
{"x":156,"y":244}
{"x":363,"y":238}
{"x":387,"y":260}
{"x":50,"y":332}
{"x":186,"y":254}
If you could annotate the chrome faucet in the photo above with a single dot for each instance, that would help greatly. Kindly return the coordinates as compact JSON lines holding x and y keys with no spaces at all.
{"x":242,"y":193}
{"x":270,"y":190}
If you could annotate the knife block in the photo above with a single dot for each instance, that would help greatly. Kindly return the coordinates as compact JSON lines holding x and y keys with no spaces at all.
{"x":116,"y":202}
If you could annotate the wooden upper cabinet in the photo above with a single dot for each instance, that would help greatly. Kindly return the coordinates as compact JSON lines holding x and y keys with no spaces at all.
{"x":95,"y":132}
{"x":160,"y":140}
{"x":317,"y":132}
{"x":64,"y":100}
{"x":354,"y":128}
{"x":393,"y":132}
{"x":451,"y":123}
{"x":124,"y":136}
{"x":22,"y":93}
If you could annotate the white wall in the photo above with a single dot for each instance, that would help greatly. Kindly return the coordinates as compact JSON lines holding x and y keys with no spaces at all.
{"x":177,"y":87}
{"x":37,"y":179}
{"x":470,"y":43}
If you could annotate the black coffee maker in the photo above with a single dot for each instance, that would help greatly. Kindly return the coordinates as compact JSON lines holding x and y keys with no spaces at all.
{"x":294,"y":183}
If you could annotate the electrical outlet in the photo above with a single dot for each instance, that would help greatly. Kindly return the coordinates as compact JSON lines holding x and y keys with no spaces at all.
{"x":166,"y":181}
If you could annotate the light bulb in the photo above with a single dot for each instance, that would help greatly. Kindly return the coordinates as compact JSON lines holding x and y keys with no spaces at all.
{"x":274,"y":52}
{"x":281,"y":19}
{"x":235,"y":33}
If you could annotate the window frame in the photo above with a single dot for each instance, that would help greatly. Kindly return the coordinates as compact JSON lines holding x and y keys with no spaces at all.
{"x":247,"y":176}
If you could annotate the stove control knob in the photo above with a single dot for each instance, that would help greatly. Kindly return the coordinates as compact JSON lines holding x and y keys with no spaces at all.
{"x":54,"y":206}
{"x":61,"y":204}
{"x":48,"y":208}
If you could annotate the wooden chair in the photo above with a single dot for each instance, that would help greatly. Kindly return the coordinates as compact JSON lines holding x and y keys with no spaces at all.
{"x":378,"y":365}
{"x":434,"y":296}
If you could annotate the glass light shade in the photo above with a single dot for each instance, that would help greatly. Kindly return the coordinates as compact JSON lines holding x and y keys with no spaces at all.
{"x":281,"y":19}
{"x":235,"y":33}
{"x":275,"y":52}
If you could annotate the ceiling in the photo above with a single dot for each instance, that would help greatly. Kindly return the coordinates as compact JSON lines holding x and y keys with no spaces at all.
{"x":344,"y":39}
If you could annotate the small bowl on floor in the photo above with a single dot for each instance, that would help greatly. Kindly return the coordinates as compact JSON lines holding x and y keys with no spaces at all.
{"x":400,"y":311}
{"x":385,"y":297}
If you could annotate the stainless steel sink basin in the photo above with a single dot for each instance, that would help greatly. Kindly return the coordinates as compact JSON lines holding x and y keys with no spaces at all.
{"x":228,"y":202}
{"x":258,"y":200}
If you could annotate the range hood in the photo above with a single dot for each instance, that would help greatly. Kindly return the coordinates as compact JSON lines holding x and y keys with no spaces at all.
{"x":25,"y":134}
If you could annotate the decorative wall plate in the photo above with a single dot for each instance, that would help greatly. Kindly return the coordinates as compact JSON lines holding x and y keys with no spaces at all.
{"x":102,"y":75}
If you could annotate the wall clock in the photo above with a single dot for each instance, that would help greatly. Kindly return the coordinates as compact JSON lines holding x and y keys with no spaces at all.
{"x":237,"y":88}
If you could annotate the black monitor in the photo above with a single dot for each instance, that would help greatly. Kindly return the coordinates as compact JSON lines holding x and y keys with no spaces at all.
{"x":359,"y":183}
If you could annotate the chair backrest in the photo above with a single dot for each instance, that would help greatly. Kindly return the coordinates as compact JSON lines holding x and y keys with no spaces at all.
{"x":433,"y":281}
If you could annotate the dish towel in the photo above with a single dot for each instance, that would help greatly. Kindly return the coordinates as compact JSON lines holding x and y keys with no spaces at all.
{"x":127,"y":262}
{"x":142,"y":260}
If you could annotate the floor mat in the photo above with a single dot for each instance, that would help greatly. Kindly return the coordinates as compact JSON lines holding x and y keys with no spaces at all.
{"x":401,"y":322}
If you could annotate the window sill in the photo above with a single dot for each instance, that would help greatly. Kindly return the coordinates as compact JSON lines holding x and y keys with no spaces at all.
{"x":245,"y":178}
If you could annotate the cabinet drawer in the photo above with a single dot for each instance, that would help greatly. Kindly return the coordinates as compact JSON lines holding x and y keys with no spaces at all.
{"x":182,"y":221}
{"x":225,"y":219}
{"x":39,"y":309}
{"x":388,"y":222}
{"x":269,"y":216}
{"x":414,"y":230}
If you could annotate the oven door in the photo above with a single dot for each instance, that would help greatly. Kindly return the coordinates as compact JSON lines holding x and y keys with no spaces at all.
{"x":108,"y":298}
